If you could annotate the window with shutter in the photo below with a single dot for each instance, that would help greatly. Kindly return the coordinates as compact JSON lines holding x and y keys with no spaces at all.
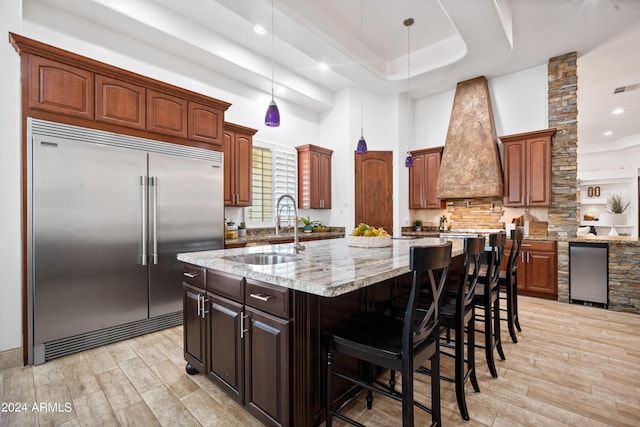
{"x":273,"y":174}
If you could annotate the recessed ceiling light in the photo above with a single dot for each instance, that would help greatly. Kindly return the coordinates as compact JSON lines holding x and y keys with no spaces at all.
{"x":618,"y":111}
{"x":608,"y":133}
{"x":259,"y":29}
{"x":323,"y":66}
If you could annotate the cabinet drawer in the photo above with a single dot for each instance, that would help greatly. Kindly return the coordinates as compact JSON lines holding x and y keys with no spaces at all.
{"x":537,"y":245}
{"x":194,"y":275}
{"x":228,"y":285}
{"x":268,"y":298}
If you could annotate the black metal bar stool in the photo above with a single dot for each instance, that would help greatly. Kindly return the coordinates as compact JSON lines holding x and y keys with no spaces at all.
{"x":397,"y":344}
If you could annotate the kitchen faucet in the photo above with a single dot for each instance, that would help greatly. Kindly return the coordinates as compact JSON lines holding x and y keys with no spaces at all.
{"x":296,"y":245}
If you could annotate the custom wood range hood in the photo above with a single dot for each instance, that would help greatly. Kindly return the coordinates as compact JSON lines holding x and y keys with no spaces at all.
{"x":470,"y":165}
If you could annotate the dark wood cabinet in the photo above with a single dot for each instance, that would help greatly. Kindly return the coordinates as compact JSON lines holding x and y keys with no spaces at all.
{"x":238,"y":333}
{"x":120,"y":103}
{"x":423,"y":179}
{"x":60,"y":88}
{"x":267,"y":373}
{"x":314,"y":177}
{"x":537,"y":269}
{"x":225,"y":344}
{"x":194,"y":324}
{"x":527,"y":168}
{"x":238,"y":157}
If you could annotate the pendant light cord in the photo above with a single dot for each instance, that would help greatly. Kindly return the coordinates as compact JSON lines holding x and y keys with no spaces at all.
{"x":408,"y":23}
{"x":361,"y":75}
{"x":272,"y":48}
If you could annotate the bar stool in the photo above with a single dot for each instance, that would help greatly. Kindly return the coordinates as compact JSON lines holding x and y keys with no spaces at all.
{"x":457,"y":312}
{"x":397,"y":344}
{"x":508,"y":281}
{"x":487,"y":298}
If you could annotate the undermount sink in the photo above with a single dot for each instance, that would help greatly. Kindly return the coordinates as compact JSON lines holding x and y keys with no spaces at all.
{"x":263,"y":258}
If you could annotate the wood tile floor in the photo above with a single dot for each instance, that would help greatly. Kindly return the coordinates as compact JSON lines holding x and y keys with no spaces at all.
{"x":573,"y":366}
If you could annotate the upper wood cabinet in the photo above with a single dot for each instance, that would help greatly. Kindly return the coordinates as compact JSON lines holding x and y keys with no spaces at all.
{"x":120,"y":103}
{"x":238,"y":157}
{"x":527,"y":168}
{"x":314,"y":177}
{"x":423,"y":179}
{"x":205,"y":124}
{"x":166,"y":114}
{"x":61,"y":86}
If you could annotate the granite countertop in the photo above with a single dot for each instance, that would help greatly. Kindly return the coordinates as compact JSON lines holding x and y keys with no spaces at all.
{"x":604,"y":239}
{"x":272,"y":237}
{"x":326,"y":268}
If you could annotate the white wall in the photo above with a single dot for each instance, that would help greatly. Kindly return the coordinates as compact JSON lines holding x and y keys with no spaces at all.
{"x":10,"y":173}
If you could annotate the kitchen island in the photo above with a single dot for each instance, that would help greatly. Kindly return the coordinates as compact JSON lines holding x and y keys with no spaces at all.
{"x":258,"y":327}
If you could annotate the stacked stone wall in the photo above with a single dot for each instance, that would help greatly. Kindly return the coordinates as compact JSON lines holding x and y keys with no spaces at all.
{"x":563,"y":115}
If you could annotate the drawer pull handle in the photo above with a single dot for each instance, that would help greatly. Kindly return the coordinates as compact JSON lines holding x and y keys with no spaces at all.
{"x":261,"y":297}
{"x":190,"y":275}
{"x":524,"y":245}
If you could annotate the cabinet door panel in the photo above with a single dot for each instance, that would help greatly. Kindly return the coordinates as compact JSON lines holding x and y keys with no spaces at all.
{"x":416,"y":182}
{"x":225,"y":345}
{"x":432,"y":163}
{"x":229,"y":168}
{"x":325,"y":181}
{"x":244,"y":159}
{"x":267,"y":367}
{"x":205,"y":124}
{"x":541,"y":272}
{"x":314,"y":185}
{"x":514,"y":174}
{"x":60,"y":88}
{"x":194,"y":330}
{"x":539,"y":167}
{"x":166,"y":114}
{"x":120,"y":103}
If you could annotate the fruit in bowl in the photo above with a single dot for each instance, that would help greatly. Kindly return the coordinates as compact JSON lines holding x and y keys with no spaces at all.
{"x":366,"y":236}
{"x":365,"y":230}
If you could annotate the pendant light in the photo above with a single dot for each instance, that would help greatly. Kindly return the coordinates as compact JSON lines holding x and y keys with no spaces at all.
{"x":272,"y":118}
{"x":408,"y":162}
{"x":362,"y":144}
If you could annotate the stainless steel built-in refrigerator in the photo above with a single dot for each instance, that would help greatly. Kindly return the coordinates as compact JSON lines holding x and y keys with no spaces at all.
{"x":107,"y":215}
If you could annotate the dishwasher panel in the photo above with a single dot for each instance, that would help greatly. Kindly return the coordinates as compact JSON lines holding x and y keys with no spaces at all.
{"x":589,"y":273}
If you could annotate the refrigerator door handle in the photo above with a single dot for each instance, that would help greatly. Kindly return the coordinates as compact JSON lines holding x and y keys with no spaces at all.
{"x":153,"y":181}
{"x":143,"y":183}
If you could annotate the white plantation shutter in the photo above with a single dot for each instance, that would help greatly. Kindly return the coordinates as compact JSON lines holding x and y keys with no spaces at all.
{"x":261,"y":183}
{"x":274,"y":174}
{"x":284,"y":182}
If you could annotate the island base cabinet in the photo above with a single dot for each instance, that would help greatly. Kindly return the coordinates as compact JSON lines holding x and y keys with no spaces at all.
{"x":194,"y":329}
{"x":225,"y":347}
{"x":267,"y":374}
{"x":244,"y":347}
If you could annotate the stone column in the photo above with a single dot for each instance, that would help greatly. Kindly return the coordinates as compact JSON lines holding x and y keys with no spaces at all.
{"x":563,"y":115}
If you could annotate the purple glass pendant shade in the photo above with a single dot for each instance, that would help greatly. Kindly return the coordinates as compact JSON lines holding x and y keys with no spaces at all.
{"x":408,"y":162}
{"x":362,"y":146}
{"x":272,"y":118}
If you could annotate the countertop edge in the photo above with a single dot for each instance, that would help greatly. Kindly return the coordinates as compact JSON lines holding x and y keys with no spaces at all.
{"x":317,"y":273}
